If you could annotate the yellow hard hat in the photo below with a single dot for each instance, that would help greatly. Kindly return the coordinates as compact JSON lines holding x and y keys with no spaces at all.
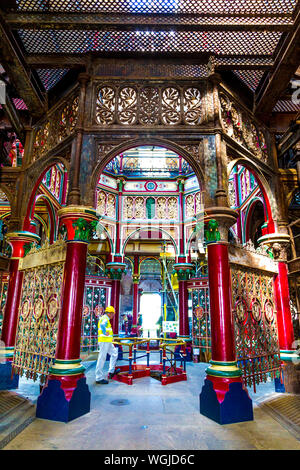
{"x":110,"y":309}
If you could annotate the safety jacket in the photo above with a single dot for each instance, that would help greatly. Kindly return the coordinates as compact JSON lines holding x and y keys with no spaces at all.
{"x":104,"y":327}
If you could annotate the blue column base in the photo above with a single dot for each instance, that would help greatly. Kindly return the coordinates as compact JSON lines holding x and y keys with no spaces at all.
{"x":8,"y":382}
{"x":279,"y":386}
{"x":235,"y":408}
{"x":53,"y":405}
{"x":188,"y":353}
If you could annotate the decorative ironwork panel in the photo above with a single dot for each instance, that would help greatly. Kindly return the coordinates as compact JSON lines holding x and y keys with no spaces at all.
{"x":163,"y":208}
{"x":255,"y":321}
{"x":201,"y":332}
{"x":242,"y":129}
{"x":127,"y":106}
{"x":38,"y":321}
{"x":60,"y":124}
{"x":95,"y":299}
{"x":147,"y":105}
{"x":170,"y":106}
{"x":192,"y":106}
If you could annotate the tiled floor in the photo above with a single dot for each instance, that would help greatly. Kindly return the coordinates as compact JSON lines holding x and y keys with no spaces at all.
{"x":150,"y":416}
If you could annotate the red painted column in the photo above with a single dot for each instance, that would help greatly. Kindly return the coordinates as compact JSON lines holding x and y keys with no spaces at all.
{"x":118,"y":257}
{"x":183,"y":297}
{"x":11,"y":311}
{"x":222,"y":330}
{"x":115,"y":270}
{"x":69,"y":330}
{"x":278,"y":242}
{"x":17,"y":241}
{"x":135,"y":302}
{"x":67,"y":373}
{"x":135,"y":278}
{"x":284,"y":316}
{"x":223,"y":397}
{"x":184,"y":271}
{"x":181,"y":257}
{"x":115,"y":302}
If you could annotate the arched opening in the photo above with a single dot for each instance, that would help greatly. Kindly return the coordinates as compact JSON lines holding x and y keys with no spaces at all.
{"x":248,"y":196}
{"x":48,"y":196}
{"x":149,"y":200}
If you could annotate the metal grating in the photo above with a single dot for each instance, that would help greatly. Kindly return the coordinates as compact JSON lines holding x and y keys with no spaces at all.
{"x":286,"y":106}
{"x":286,"y":410}
{"x":19,"y":104}
{"x":250,"y":77}
{"x":9,"y":401}
{"x":50,"y":77}
{"x":215,"y":42}
{"x":161,"y":6}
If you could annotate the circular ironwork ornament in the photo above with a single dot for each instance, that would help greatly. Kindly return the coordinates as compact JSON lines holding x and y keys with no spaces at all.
{"x":85,"y":311}
{"x":98,"y":311}
{"x":26,"y":308}
{"x":241,"y":310}
{"x":38,"y":307}
{"x":269,"y":311}
{"x":256,"y":310}
{"x":52,"y":308}
{"x":199,"y":312}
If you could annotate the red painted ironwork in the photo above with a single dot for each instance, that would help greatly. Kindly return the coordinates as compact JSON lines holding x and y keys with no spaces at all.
{"x":284,"y":316}
{"x":166,"y":371}
{"x":258,"y":352}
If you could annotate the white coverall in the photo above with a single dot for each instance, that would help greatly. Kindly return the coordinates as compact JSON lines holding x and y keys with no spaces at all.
{"x":105,"y":346}
{"x":104,"y":349}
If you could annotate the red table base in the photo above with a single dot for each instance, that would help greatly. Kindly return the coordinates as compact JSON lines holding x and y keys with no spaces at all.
{"x":142,"y":370}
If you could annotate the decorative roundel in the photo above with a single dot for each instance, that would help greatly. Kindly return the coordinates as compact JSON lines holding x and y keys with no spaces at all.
{"x":98,"y":311}
{"x":256,"y":310}
{"x":241,"y":310}
{"x":26,"y":308}
{"x":52,"y":308}
{"x":269,"y":311}
{"x":38,"y":307}
{"x":199,"y":312}
{"x":85,"y":311}
{"x":151,"y":186}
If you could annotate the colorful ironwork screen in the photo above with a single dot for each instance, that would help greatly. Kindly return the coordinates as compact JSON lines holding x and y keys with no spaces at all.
{"x":38,"y":321}
{"x":255,"y":323}
{"x":201,"y":322}
{"x":96,"y":296}
{"x":3,"y":293}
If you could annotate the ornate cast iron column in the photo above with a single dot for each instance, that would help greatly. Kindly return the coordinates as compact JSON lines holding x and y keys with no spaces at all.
{"x":74,"y":191}
{"x":136,"y":280}
{"x":182,"y":256}
{"x":115,"y":270}
{"x":118,"y":257}
{"x":278,"y":242}
{"x":18,"y":242}
{"x":66,"y":395}
{"x":184,"y":271}
{"x":223,"y":397}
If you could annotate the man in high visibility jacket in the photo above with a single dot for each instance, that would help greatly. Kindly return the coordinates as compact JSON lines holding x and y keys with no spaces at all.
{"x":105,"y":346}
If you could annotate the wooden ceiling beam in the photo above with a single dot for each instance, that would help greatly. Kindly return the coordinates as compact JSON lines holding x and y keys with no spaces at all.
{"x":72,"y":60}
{"x":285,"y":65}
{"x":19,"y":73}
